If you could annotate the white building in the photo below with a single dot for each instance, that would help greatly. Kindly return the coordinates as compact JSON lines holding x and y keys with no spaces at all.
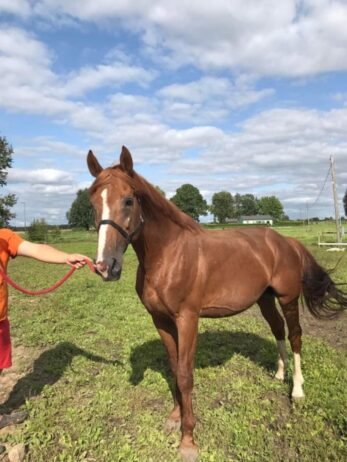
{"x":256,"y":220}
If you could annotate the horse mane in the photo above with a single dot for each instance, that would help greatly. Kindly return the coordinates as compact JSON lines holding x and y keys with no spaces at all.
{"x":153,"y":203}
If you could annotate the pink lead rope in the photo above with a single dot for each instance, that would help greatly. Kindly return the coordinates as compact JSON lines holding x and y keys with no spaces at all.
{"x":43,"y":291}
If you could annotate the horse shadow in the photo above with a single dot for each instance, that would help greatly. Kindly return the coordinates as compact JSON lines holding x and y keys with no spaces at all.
{"x":214,"y":349}
{"x":48,"y":368}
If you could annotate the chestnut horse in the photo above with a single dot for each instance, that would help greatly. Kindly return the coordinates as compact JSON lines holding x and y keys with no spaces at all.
{"x":186,"y":272}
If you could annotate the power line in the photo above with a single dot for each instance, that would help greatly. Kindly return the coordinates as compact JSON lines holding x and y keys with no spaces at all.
{"x":322,"y":189}
{"x":312,"y":204}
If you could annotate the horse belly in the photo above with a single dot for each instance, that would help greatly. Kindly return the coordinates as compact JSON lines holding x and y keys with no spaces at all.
{"x":229,"y":306}
{"x":233,"y":293}
{"x":219,"y":311}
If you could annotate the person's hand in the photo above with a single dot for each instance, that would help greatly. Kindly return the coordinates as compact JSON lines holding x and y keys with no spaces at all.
{"x":76,"y":260}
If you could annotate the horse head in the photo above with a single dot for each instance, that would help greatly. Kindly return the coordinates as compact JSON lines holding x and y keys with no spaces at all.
{"x":117,"y":212}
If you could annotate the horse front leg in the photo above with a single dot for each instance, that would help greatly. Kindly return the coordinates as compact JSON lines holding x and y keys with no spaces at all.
{"x":187,"y":328}
{"x":168,"y":333}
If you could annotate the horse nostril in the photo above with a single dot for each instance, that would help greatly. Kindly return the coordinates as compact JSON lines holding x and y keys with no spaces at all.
{"x":114,"y":263}
{"x":116,"y":269}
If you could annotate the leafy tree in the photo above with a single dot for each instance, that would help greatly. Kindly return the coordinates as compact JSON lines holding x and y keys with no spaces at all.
{"x":190,"y":201}
{"x":222,"y":206}
{"x":237,"y":206}
{"x":8,"y":201}
{"x":81,"y":213}
{"x":345,"y":202}
{"x":248,"y":205}
{"x":271,"y":205}
{"x":38,"y":231}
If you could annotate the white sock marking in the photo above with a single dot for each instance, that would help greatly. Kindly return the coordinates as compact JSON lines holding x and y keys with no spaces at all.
{"x":298,"y":379}
{"x":282,"y":359}
{"x":103,"y":228}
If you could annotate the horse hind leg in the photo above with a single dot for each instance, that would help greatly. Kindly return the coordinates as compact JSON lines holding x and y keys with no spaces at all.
{"x":268,"y":309}
{"x":291,"y":314}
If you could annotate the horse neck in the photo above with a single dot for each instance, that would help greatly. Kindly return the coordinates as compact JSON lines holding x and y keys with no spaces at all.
{"x":154,"y":238}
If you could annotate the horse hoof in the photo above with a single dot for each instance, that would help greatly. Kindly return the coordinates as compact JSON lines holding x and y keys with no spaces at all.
{"x":189,"y":454}
{"x":298,"y":393}
{"x":298,"y":398}
{"x":279,"y":376}
{"x":172,"y":426}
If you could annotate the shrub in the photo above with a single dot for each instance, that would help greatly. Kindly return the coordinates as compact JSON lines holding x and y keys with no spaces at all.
{"x":55,"y":234}
{"x":38,"y":231}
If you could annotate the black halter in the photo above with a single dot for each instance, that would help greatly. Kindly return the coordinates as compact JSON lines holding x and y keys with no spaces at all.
{"x":127,"y":236}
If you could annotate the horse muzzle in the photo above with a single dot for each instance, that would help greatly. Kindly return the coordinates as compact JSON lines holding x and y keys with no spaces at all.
{"x":109,"y":271}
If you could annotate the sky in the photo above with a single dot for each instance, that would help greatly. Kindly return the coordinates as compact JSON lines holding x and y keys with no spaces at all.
{"x":230,"y":95}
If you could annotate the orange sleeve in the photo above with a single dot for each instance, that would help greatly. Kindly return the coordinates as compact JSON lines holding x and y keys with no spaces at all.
{"x":13,"y":241}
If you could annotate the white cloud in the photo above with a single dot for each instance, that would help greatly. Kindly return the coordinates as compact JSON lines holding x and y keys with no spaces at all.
{"x":87,"y":79}
{"x":287,"y":38}
{"x":241,"y":93}
{"x":47,"y":146}
{"x":29,"y":85}
{"x":92,"y":11}
{"x":17,"y":43}
{"x":42,"y":193}
{"x":40,"y":177}
{"x":15,"y":7}
{"x":48,"y":202}
{"x":209,"y":98}
{"x":27,"y":82}
{"x":127,"y":105}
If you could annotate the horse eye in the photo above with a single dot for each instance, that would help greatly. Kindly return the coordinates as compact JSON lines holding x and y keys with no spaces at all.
{"x":129,"y":201}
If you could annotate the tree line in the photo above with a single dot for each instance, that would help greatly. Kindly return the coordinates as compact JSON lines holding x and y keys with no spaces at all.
{"x":224,"y":205}
{"x":188,"y":198}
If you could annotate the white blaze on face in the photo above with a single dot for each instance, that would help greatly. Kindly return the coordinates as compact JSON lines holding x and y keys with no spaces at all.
{"x":103,"y":228}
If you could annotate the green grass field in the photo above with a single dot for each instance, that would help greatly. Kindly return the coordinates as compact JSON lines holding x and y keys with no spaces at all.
{"x":96,"y":383}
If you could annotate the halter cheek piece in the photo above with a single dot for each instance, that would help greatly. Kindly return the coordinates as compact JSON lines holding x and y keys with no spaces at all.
{"x":127,"y":236}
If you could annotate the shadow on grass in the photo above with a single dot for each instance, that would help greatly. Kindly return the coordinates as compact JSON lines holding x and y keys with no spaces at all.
{"x":48,"y":368}
{"x":214,"y":349}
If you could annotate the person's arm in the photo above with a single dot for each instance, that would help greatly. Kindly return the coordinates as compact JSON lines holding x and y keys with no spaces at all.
{"x":48,"y":254}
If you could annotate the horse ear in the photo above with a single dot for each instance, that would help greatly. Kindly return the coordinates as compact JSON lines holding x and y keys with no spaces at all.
{"x":93,"y":164}
{"x":126,"y":161}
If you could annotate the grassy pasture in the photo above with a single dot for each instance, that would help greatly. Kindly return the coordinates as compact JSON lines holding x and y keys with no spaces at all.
{"x":93,"y":375}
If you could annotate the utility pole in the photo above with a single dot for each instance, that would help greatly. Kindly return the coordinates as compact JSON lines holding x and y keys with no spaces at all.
{"x":336,"y":203}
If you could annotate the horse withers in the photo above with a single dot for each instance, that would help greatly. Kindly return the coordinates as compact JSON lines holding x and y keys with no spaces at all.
{"x":186,"y":272}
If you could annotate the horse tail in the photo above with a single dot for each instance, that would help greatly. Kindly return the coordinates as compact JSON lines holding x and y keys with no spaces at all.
{"x":323,"y":299}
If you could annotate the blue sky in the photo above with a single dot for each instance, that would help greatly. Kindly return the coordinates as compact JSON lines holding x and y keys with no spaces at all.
{"x":243,"y":96}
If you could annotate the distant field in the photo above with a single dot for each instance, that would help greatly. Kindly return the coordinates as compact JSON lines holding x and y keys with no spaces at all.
{"x":308,"y":234}
{"x":92,"y":372}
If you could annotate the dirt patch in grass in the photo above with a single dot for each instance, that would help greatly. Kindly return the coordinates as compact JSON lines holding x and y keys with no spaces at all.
{"x":332,"y":331}
{"x":22,"y":360}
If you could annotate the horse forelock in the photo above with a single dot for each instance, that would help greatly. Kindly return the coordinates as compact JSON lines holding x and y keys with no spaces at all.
{"x":107,"y":177}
